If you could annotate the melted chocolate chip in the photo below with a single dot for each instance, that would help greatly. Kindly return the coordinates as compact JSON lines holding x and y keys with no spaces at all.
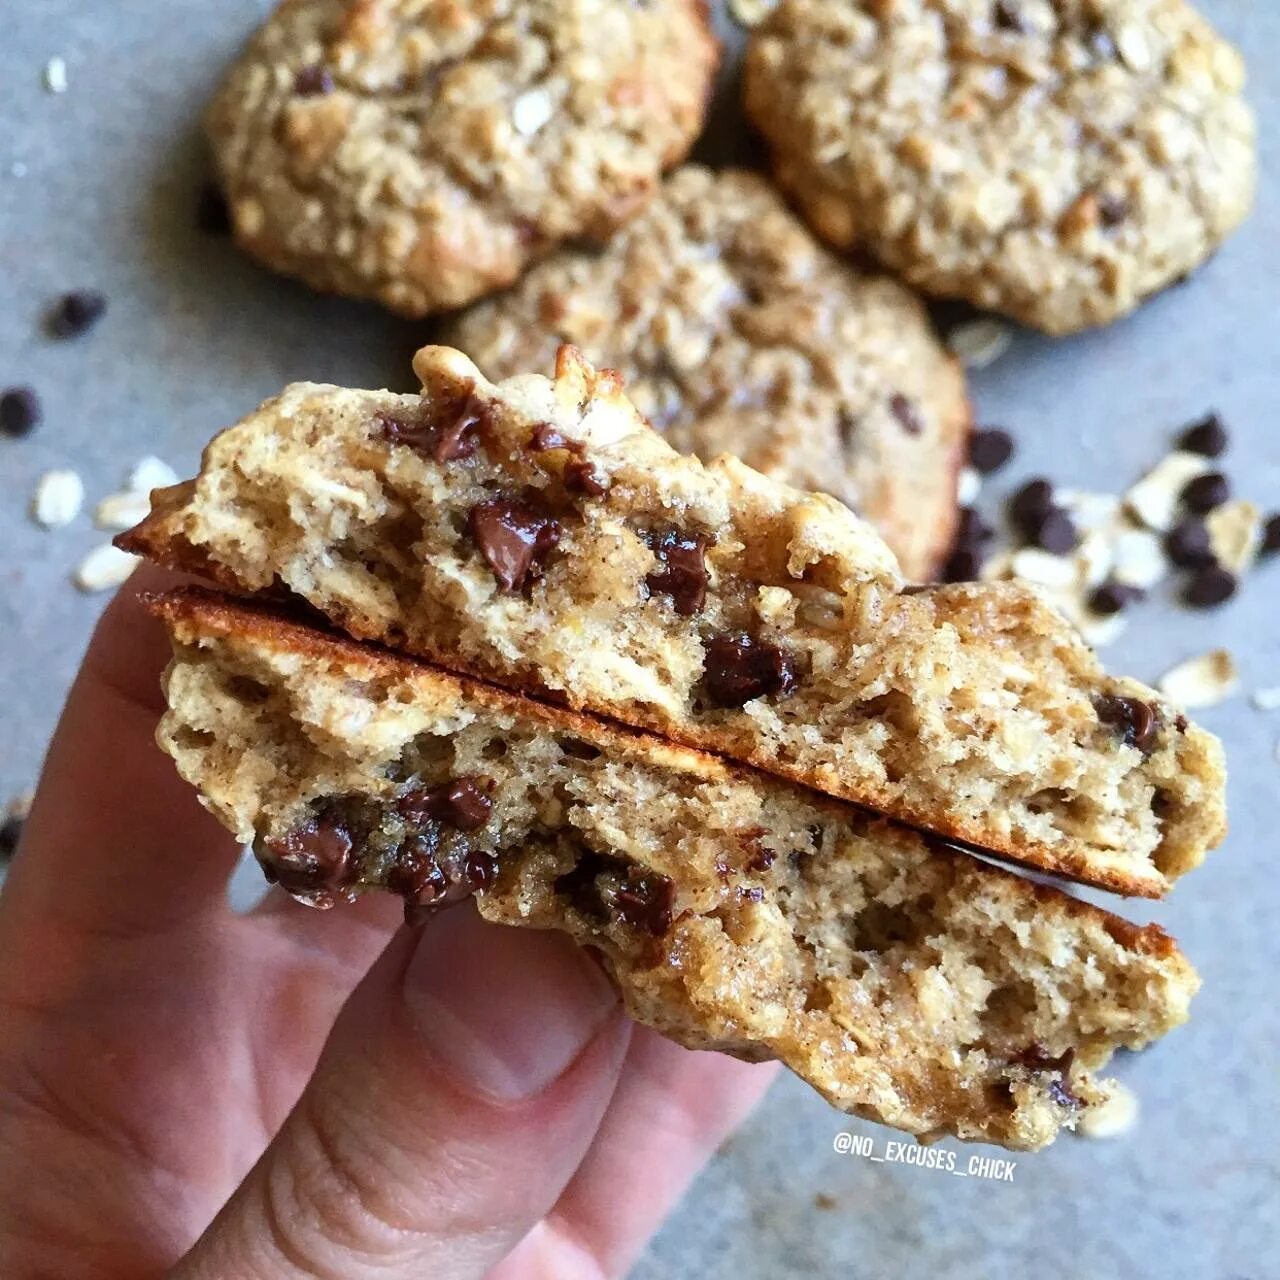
{"x":581,"y":476}
{"x":481,"y":870}
{"x":682,"y":569}
{"x":546,"y":437}
{"x":599,"y":887}
{"x":460,"y":804}
{"x":762,"y":861}
{"x":456,"y":436}
{"x":312,"y":82}
{"x":580,"y":887}
{"x":514,"y":537}
{"x":313,"y":858}
{"x":1206,"y":492}
{"x":737,"y":668}
{"x":1187,"y":544}
{"x":1136,"y":722}
{"x":907,"y":414}
{"x":647,"y":901}
{"x":1037,"y":1059}
{"x":417,"y":876}
{"x":1208,"y":437}
{"x":989,"y":449}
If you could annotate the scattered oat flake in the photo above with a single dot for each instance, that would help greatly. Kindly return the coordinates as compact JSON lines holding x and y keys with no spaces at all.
{"x":1045,"y":570}
{"x":105,"y":567}
{"x":968,"y":487}
{"x":1112,"y":1118}
{"x":1267,"y":699}
{"x":1094,"y":558}
{"x":151,"y":473}
{"x":979,"y":342}
{"x":122,"y":510}
{"x":1157,"y":498}
{"x":58,"y":499}
{"x":531,"y":110}
{"x":750,"y":13}
{"x":1089,"y":510}
{"x":55,"y":75}
{"x":1201,"y":682}
{"x":1235,"y":535}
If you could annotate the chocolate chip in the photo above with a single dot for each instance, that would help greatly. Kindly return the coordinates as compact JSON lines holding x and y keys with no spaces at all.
{"x":456,"y":435}
{"x":581,"y":476}
{"x":646,"y":900}
{"x":1206,"y":492}
{"x":1055,"y":532}
{"x":762,"y":860}
{"x":1112,"y":209}
{"x":313,"y":81}
{"x":314,"y":858}
{"x":10,"y":834}
{"x":213,"y":218}
{"x":963,"y":565}
{"x":546,"y":437}
{"x":1031,"y":503}
{"x":580,"y":886}
{"x":416,"y":874}
{"x":1208,"y":437}
{"x":907,"y":414}
{"x":1112,"y":597}
{"x":19,"y":411}
{"x":737,"y":669}
{"x":751,"y":893}
{"x":481,"y":870}
{"x":989,"y":449}
{"x":682,"y":569}
{"x":1037,"y":1059}
{"x":461,"y":804}
{"x":1270,"y":536}
{"x":1008,"y":17}
{"x":1210,"y":587}
{"x":514,"y":537}
{"x":75,"y":313}
{"x":1188,"y":545}
{"x":1135,"y":721}
{"x":971,"y":529}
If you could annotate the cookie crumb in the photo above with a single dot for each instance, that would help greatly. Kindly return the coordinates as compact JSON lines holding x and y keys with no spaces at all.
{"x":55,"y":75}
{"x":1267,"y":699}
{"x":58,"y":499}
{"x":104,"y":568}
{"x":1112,"y":1118}
{"x":1201,"y":682}
{"x":980,"y":343}
{"x":120,"y":511}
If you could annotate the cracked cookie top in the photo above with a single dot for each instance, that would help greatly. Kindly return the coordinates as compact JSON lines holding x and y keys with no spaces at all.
{"x":1056,"y":160}
{"x":424,"y":153}
{"x":737,"y":332}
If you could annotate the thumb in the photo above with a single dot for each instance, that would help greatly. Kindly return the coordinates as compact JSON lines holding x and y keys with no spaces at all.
{"x":459,"y":1090}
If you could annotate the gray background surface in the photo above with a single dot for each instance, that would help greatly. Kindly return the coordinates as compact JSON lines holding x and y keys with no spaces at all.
{"x":196,"y":336}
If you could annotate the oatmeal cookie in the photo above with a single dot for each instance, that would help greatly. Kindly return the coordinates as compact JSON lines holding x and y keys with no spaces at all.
{"x":424,"y":154}
{"x":738,"y":333}
{"x":909,"y":983}
{"x":1056,"y":160}
{"x":538,"y":533}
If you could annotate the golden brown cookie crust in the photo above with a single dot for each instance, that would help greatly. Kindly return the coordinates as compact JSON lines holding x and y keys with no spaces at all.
{"x":424,"y":155}
{"x":1056,"y":160}
{"x":738,"y":333}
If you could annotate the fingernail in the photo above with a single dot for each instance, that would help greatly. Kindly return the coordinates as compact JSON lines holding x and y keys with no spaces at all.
{"x":505,"y":1011}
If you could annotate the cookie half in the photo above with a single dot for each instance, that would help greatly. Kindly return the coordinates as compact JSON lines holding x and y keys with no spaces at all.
{"x":737,"y":332}
{"x":907,"y":982}
{"x":424,"y":154}
{"x":1057,"y":161}
{"x":538,"y":533}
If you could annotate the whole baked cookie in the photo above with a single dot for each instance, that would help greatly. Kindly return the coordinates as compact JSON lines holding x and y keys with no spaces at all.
{"x":1056,"y":160}
{"x":423,"y":154}
{"x":737,"y":332}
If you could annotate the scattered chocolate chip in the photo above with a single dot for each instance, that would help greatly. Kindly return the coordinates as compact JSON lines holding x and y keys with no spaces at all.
{"x":1206,"y":492}
{"x":461,"y":804}
{"x":1208,"y":437}
{"x":989,"y":449}
{"x":314,"y":858}
{"x":1188,"y":545}
{"x":1031,"y":503}
{"x":19,"y":411}
{"x":646,"y":900}
{"x":514,"y":537}
{"x":10,"y":834}
{"x":1134,"y":720}
{"x":972,"y":529}
{"x":1055,"y":532}
{"x":77,"y":312}
{"x":1113,"y":597}
{"x":1112,"y":209}
{"x":963,"y":565}
{"x":1008,"y":17}
{"x":213,"y":218}
{"x":1270,"y":536}
{"x":456,"y":436}
{"x":737,"y":669}
{"x":1210,"y":587}
{"x":907,"y":414}
{"x":313,"y":81}
{"x":581,"y":476}
{"x":682,"y":569}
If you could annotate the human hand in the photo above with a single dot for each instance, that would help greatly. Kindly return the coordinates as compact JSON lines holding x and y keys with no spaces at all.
{"x":188,"y":1091}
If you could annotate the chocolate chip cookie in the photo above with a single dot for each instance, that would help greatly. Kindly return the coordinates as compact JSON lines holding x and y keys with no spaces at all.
{"x":909,"y":983}
{"x":738,"y":333}
{"x":1056,"y":160}
{"x":424,"y":154}
{"x":538,"y":533}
